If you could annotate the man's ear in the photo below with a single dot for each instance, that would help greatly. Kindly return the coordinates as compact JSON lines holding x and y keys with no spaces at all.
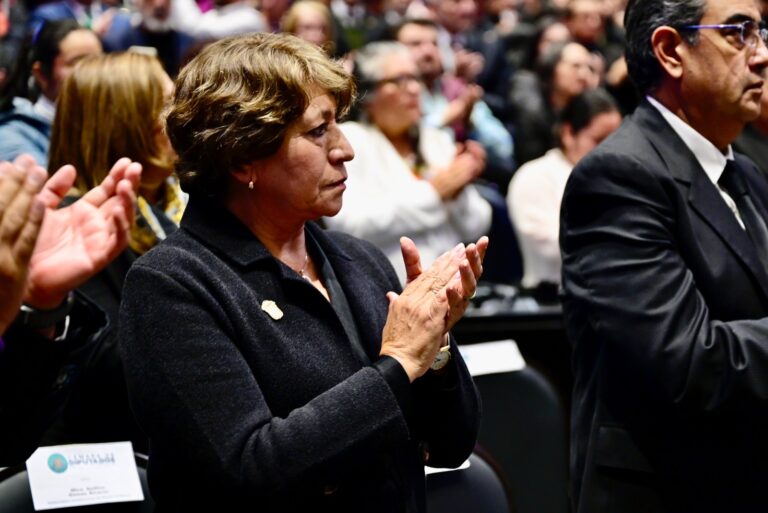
{"x":666,"y":43}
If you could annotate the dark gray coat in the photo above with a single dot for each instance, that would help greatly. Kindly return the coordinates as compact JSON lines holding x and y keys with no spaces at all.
{"x":249,"y":413}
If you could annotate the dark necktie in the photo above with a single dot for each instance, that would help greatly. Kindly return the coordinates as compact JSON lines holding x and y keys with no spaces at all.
{"x":733,"y":183}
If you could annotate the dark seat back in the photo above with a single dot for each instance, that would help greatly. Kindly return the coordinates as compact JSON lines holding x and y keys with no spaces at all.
{"x":477,"y":489}
{"x":523,"y":428}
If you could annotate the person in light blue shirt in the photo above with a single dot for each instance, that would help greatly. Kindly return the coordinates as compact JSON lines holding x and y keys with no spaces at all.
{"x":24,"y":130}
{"x":27,"y":98}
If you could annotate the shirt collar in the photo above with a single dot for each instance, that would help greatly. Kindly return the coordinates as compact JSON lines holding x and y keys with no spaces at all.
{"x":45,"y":108}
{"x":711,"y":160}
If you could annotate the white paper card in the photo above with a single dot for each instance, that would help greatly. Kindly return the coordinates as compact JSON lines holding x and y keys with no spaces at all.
{"x":492,"y":357}
{"x":433,"y":470}
{"x":64,"y":476}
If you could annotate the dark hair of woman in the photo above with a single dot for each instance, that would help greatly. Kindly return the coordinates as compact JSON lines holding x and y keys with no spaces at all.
{"x":41,"y":46}
{"x":583,"y":108}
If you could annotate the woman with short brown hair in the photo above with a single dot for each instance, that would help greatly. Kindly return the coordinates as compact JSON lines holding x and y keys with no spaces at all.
{"x":273,"y":365}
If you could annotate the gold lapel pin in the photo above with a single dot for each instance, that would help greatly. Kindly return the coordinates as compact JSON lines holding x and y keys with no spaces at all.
{"x":272,"y":309}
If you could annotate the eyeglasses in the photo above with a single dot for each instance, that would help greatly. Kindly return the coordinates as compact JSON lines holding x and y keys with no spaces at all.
{"x":401,"y":81}
{"x":749,"y":32}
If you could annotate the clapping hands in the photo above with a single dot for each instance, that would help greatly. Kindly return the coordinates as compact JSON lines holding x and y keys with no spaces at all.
{"x":431,"y":303}
{"x":44,"y":252}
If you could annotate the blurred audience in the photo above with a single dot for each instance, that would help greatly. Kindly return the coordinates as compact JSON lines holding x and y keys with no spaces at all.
{"x":229,"y":18}
{"x":588,"y":24}
{"x":273,"y":11}
{"x":463,"y":114}
{"x":111,"y":105}
{"x":537,"y":188}
{"x":562,"y":72}
{"x":159,"y":25}
{"x":27,"y":98}
{"x":311,"y":21}
{"x":12,"y":31}
{"x":473,"y":52}
{"x":87,"y":13}
{"x":406,"y":179}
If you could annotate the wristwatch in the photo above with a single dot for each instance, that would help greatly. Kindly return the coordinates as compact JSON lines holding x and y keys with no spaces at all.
{"x":39,"y":319}
{"x":442,"y":358}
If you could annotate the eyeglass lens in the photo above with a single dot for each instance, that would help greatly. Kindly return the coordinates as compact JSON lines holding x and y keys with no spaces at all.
{"x":752,"y":33}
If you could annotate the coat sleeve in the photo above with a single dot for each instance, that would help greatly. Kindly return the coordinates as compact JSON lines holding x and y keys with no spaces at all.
{"x":630,"y":293}
{"x":443,"y":408}
{"x":37,"y":375}
{"x":184,"y":368}
{"x":447,"y":413}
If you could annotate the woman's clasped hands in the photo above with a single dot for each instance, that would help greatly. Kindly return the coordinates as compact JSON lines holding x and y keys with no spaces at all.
{"x":431,"y":303}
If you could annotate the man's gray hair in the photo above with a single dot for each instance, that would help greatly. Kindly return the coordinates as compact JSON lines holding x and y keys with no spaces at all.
{"x":369,"y":59}
{"x":641,"y":19}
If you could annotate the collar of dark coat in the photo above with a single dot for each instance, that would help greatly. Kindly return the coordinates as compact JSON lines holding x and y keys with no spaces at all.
{"x":207,"y":220}
{"x":703,"y":195}
{"x":680,"y":160}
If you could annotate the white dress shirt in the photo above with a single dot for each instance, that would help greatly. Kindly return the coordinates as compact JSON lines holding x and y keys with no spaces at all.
{"x":711,"y":160}
{"x":533,"y":199}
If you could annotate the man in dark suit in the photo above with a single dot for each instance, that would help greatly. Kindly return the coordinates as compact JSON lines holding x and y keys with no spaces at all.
{"x":665,"y":275}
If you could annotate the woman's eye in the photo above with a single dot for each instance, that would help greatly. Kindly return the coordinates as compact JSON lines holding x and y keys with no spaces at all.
{"x":319,"y":131}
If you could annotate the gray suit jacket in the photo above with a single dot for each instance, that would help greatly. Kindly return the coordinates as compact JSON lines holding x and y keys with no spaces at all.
{"x":247,"y":412}
{"x":665,"y":302}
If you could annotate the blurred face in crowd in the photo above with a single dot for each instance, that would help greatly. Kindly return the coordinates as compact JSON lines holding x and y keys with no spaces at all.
{"x":274,"y":10}
{"x":555,"y":33}
{"x":74,"y":47}
{"x":498,"y":6}
{"x":311,"y":25}
{"x":586,"y":20}
{"x":422,"y":42}
{"x":455,"y":15}
{"x":395,"y":107}
{"x":573,"y":73}
{"x":576,"y":146}
{"x":155,"y":14}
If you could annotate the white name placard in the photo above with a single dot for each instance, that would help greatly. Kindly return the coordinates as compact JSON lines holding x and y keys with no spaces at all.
{"x":492,"y":357}
{"x":64,"y":476}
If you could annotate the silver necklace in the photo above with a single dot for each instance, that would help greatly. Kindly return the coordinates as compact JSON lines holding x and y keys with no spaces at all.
{"x":303,"y":270}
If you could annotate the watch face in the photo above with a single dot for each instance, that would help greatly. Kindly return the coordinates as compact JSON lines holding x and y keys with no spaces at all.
{"x":442,"y":358}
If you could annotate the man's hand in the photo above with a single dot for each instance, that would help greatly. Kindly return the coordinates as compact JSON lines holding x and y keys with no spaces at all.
{"x":78,"y":241}
{"x":468,"y":64}
{"x":459,"y":110}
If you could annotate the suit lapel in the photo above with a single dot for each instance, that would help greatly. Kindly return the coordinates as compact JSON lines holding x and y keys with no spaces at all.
{"x":703,"y":196}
